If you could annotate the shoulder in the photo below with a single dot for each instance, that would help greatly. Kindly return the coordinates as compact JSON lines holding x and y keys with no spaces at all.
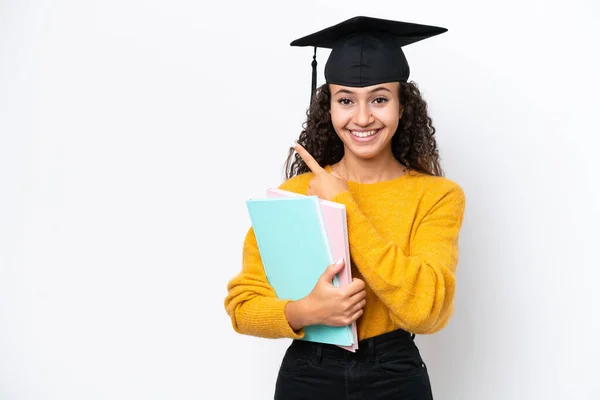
{"x":436,"y":189}
{"x":297,"y":184}
{"x":439,"y":184}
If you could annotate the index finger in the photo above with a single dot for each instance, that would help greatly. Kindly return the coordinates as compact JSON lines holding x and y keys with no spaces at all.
{"x":309,"y":160}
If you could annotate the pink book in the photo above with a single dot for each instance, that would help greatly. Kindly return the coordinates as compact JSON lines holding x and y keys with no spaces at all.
{"x":334,"y":215}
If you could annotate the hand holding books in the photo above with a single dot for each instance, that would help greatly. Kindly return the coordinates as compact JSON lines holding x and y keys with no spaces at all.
{"x":327,"y":304}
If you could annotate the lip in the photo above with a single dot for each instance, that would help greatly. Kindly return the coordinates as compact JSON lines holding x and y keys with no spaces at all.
{"x":367,"y":139}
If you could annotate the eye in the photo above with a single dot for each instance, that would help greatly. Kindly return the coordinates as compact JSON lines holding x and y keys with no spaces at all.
{"x":380,"y":100}
{"x":344,"y":101}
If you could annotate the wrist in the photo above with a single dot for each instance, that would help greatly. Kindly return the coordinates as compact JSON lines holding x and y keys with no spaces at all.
{"x":299,"y":313}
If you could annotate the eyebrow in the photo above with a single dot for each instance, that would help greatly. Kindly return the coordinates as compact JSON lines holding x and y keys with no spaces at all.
{"x":377,"y":89}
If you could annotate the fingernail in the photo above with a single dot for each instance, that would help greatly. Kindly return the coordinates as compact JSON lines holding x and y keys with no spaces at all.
{"x":340,"y":262}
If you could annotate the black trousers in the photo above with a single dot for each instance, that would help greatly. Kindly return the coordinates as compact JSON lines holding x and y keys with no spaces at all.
{"x":385,"y":367}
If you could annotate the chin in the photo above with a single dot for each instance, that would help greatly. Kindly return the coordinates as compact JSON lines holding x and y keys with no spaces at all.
{"x":365,"y":154}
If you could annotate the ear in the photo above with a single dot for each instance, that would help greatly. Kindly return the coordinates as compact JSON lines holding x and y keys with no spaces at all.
{"x":401,"y":111}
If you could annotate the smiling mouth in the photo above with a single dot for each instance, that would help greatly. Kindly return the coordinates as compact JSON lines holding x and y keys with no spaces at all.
{"x":363,"y":134}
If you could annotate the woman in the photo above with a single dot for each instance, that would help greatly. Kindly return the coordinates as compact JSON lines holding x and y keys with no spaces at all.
{"x":368,"y":143}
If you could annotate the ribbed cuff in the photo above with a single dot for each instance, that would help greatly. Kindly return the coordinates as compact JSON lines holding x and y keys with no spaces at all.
{"x":268,"y":319}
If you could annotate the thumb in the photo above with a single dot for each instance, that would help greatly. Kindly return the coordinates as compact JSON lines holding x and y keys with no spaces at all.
{"x":332,"y":270}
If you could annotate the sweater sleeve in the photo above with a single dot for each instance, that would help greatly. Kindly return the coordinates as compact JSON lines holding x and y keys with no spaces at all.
{"x":418,"y":288}
{"x":251,"y":302}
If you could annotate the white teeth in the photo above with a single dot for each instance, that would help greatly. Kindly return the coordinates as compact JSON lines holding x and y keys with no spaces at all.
{"x":363,"y":134}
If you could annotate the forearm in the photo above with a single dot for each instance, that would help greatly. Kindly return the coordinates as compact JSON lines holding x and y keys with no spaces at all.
{"x":416,"y":294}
{"x":418,"y":289}
{"x":259,"y":314}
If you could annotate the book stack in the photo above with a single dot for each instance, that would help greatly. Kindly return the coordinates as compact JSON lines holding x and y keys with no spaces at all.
{"x":298,"y":237}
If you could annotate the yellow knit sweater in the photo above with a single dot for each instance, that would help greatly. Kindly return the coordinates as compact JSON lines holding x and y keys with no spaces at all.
{"x":403,"y":236}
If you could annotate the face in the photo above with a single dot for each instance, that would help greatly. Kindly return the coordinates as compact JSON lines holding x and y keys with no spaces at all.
{"x":366,"y":118}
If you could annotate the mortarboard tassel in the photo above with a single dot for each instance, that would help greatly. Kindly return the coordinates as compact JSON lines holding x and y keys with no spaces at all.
{"x":314,"y":76}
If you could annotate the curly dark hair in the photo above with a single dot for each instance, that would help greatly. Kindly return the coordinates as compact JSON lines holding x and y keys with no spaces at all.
{"x":413,"y":144}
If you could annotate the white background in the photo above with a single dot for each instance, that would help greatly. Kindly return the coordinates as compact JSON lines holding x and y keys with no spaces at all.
{"x":132,"y":132}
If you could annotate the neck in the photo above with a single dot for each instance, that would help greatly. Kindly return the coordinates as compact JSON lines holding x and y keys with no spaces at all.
{"x":380,"y":168}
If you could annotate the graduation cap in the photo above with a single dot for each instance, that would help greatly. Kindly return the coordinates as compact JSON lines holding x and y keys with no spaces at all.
{"x":365,"y":51}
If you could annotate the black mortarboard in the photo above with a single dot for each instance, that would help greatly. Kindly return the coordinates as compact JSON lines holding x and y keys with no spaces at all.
{"x":366,"y":51}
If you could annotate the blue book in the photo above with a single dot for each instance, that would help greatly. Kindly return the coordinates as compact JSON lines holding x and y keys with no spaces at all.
{"x":295,"y":251}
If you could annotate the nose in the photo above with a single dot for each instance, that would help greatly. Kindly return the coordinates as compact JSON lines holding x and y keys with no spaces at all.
{"x":363,"y":115}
